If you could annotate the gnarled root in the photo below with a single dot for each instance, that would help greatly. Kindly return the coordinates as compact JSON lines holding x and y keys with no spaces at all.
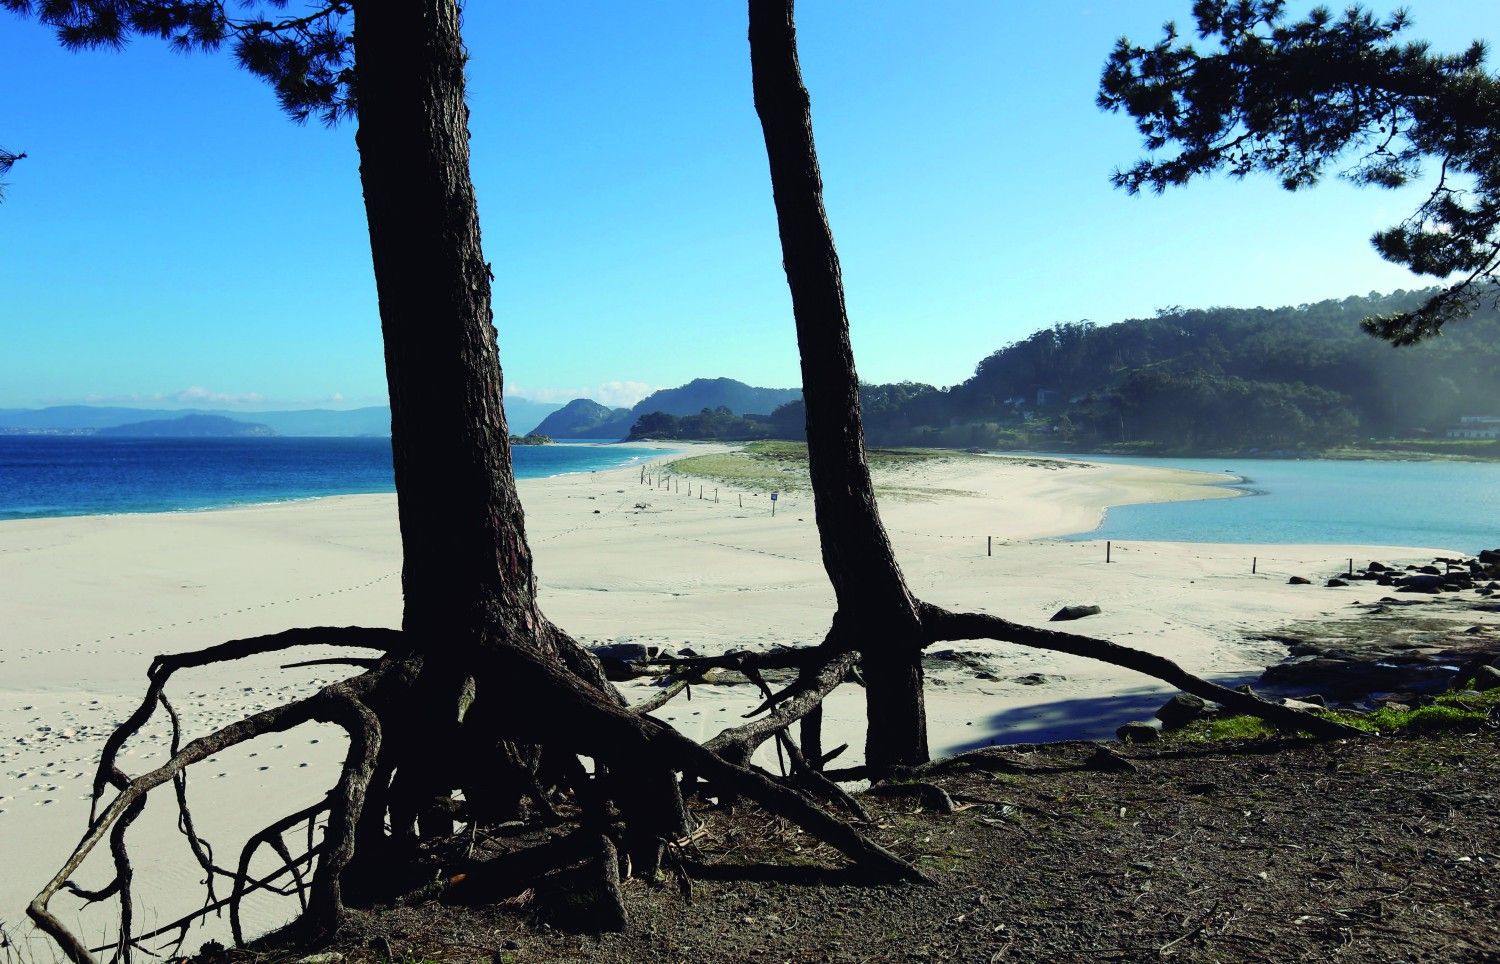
{"x":568,"y":710}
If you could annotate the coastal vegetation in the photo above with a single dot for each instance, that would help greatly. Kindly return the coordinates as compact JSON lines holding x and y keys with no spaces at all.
{"x":773,"y":465}
{"x":1299,"y":379}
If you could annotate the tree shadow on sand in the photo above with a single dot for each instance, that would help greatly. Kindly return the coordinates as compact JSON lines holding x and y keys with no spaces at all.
{"x":1084,"y":718}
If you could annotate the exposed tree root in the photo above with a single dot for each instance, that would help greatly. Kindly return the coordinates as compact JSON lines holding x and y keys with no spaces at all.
{"x":589,"y":719}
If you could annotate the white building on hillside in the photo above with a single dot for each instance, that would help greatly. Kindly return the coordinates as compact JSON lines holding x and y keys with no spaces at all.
{"x":1477,"y":426}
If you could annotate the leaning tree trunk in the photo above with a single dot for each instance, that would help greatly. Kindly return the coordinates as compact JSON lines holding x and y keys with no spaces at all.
{"x":876,"y":611}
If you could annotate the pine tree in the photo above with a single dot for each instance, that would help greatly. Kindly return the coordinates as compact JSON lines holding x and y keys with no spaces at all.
{"x":1296,"y":99}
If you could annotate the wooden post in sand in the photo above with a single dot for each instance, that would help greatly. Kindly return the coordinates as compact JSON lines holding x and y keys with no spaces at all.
{"x":1253,"y":562}
{"x":989,"y":545}
{"x":742,"y":500}
{"x":1351,"y":567}
{"x":1107,"y":547}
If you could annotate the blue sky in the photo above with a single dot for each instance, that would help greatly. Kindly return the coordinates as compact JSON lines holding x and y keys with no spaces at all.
{"x":172,"y":239}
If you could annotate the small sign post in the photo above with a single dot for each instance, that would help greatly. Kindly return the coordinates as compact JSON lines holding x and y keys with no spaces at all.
{"x":774,"y":496}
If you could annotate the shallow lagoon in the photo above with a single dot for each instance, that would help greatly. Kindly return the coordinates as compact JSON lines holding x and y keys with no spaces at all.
{"x":1441,"y":505}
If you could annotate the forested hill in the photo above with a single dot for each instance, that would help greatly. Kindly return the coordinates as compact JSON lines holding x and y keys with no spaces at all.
{"x":1213,"y":379}
{"x":712,"y":393}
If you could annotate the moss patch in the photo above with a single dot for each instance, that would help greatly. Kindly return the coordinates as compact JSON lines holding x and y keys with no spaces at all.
{"x":1450,"y":712}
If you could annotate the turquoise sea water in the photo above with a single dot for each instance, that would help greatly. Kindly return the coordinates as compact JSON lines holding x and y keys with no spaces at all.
{"x":1441,"y":505}
{"x":62,"y":476}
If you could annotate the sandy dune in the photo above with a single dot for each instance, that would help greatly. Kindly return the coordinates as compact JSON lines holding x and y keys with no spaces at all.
{"x":86,"y":602}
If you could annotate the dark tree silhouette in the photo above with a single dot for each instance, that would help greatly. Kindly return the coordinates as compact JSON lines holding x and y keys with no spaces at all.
{"x":7,"y":161}
{"x":1297,"y":98}
{"x":478,"y":691}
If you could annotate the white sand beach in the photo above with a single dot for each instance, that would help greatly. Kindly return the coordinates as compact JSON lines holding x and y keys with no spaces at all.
{"x":85,"y":603}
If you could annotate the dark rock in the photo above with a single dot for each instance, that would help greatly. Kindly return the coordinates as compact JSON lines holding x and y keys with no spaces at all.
{"x":1245,"y":688}
{"x":1106,"y":761}
{"x":1299,"y":581}
{"x":1074,"y":612}
{"x":1420,"y":583}
{"x":1377,"y":567}
{"x":1336,"y":583}
{"x":1035,"y":679}
{"x":1185,"y":708}
{"x":1489,"y":557}
{"x":1486,"y":679}
{"x":1431,"y":570}
{"x":1138,"y":732}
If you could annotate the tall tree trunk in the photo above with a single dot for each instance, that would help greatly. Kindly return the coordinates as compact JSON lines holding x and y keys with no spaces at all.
{"x":874,"y":604}
{"x":467,"y":573}
{"x":467,"y":563}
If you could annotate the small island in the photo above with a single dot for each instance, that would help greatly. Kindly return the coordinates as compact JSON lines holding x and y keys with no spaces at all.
{"x":189,"y":426}
{"x":530,"y":438}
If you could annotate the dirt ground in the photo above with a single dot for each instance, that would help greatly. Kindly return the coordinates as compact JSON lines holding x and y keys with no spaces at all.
{"x":1372,"y":850}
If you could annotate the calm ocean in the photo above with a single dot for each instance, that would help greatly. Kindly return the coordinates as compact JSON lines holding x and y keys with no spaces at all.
{"x":1440,"y":505}
{"x":60,"y":476}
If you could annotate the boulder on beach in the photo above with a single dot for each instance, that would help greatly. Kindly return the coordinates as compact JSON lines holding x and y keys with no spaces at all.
{"x":1487,"y":678}
{"x":1139,"y":731}
{"x":1299,"y":581}
{"x":1074,"y":612}
{"x":1185,"y":708}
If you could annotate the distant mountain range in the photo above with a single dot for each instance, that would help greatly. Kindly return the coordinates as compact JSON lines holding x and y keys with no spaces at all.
{"x":91,"y":420}
{"x":581,"y":418}
{"x":585,"y":418}
{"x":372,"y":422}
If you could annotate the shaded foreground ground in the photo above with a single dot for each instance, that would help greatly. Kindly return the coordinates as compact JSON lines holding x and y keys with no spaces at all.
{"x":1360,"y":851}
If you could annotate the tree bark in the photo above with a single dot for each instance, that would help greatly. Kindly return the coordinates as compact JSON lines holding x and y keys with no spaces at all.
{"x":874,"y":603}
{"x":467,"y":574}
